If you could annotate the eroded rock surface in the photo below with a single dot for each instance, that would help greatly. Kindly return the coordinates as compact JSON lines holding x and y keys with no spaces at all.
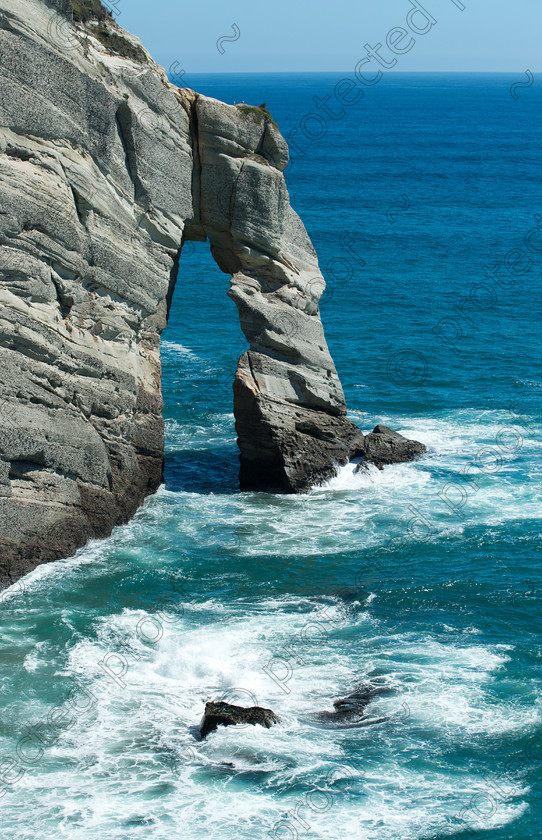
{"x":225,"y":714}
{"x":384,"y":446}
{"x":106,"y":169}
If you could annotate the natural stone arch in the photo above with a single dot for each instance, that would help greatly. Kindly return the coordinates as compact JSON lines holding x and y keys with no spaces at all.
{"x":104,"y":174}
{"x":288,"y":402}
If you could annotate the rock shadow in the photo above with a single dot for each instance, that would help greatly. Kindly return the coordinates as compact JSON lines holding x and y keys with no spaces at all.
{"x":202,"y":471}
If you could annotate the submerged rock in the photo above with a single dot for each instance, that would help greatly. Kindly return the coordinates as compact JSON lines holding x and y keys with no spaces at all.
{"x":384,"y":446}
{"x":224,"y":714}
{"x":350,"y":711}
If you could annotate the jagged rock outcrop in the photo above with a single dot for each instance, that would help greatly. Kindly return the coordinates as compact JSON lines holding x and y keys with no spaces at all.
{"x":106,"y":170}
{"x":384,"y":446}
{"x":225,"y":714}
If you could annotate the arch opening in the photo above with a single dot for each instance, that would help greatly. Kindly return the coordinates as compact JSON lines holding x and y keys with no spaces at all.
{"x":200,"y":350}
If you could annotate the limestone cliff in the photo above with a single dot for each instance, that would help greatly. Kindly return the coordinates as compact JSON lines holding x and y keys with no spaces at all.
{"x":106,"y":170}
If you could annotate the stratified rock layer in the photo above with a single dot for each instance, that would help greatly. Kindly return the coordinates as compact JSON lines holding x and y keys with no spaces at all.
{"x":289,"y":405}
{"x":106,"y":169}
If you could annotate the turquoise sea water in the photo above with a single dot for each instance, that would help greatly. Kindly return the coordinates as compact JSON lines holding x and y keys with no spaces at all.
{"x":422,"y":579}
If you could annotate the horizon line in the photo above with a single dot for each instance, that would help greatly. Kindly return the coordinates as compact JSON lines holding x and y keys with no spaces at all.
{"x":327,"y":72}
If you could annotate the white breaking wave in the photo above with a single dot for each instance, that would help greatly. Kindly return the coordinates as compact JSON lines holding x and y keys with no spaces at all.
{"x":174,"y":347}
{"x":133,"y":763}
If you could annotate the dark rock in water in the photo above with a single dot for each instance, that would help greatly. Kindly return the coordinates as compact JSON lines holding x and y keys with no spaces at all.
{"x":225,"y":714}
{"x":384,"y":446}
{"x":350,"y":710}
{"x":355,"y":702}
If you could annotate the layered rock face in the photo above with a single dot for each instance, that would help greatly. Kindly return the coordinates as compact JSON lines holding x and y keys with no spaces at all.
{"x":289,"y":404}
{"x":96,"y":171}
{"x":106,"y":169}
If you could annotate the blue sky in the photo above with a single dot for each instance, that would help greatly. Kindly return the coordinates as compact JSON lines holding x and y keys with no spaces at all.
{"x":311,"y":35}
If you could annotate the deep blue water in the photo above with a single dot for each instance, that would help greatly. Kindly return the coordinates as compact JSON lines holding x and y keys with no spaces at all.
{"x":423,"y":579}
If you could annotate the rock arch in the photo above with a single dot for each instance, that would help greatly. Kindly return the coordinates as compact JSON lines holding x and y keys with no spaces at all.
{"x":288,"y":402}
{"x":106,"y":169}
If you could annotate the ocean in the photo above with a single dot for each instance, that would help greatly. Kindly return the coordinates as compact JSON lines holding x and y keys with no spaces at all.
{"x":421,"y":581}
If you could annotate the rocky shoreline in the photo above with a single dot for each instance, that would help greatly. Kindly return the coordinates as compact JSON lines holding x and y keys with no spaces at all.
{"x":106,"y":171}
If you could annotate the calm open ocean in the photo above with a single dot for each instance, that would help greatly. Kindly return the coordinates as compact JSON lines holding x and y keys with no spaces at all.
{"x":423,"y":202}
